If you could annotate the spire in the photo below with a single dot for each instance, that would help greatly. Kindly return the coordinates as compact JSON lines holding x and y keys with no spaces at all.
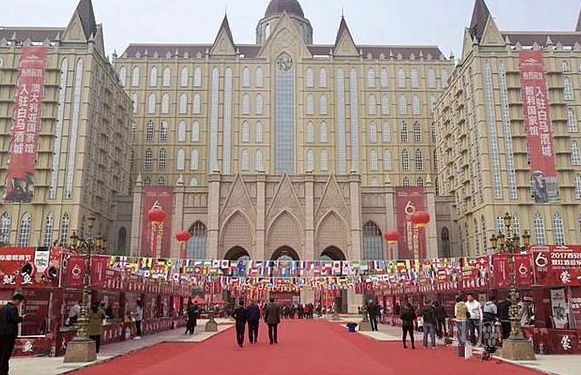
{"x":344,"y":43}
{"x":87,"y":16}
{"x":342,"y":28}
{"x":224,"y":42}
{"x":578,"y":28}
{"x":480,"y":16}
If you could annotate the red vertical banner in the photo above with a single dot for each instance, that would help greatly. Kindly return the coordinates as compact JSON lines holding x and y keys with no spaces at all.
{"x":408,"y":201}
{"x":163,"y":195}
{"x":538,"y":126}
{"x":19,"y":184}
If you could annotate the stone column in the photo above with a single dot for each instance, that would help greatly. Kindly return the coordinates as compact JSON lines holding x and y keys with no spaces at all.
{"x":177,"y":219}
{"x":390,"y":214}
{"x":353,"y":301}
{"x":259,"y":238}
{"x":137,"y":218}
{"x":310,"y":218}
{"x":213,"y":214}
{"x":431,"y":230}
{"x":355,"y":199}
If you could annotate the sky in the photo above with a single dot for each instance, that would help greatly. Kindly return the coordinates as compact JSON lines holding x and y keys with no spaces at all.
{"x":392,"y":22}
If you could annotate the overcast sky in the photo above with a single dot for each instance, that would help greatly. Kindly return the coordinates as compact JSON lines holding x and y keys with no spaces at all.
{"x":425,"y":22}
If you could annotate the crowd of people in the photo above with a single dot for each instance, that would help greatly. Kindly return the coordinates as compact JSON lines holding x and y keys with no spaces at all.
{"x":301,"y":311}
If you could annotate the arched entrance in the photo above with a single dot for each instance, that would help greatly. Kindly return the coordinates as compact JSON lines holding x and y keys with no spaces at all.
{"x":285,"y":254}
{"x":339,"y":297}
{"x":237,"y":253}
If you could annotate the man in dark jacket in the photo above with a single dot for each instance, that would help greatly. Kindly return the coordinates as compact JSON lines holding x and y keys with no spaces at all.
{"x":253,"y":312}
{"x":429,"y":317}
{"x":440,"y":319}
{"x":503,"y":316}
{"x":9,"y":320}
{"x":272,"y":319}
{"x":408,"y":317}
{"x":373,"y":310}
{"x":241,"y":316}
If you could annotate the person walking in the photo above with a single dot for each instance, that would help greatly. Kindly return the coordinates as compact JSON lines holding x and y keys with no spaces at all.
{"x":241,"y":317}
{"x":272,"y":319}
{"x":474,"y":318}
{"x":430,"y":321}
{"x":461,"y":313}
{"x":253,"y":312}
{"x":9,"y":320}
{"x":138,"y":317}
{"x":407,"y":319}
{"x":372,"y":309}
{"x":489,"y":319}
{"x":192,"y":312}
{"x":440,"y":320}
{"x":502,"y":308}
{"x":95,"y":325}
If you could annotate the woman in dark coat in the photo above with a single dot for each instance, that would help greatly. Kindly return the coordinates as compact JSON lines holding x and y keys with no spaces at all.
{"x":193,"y":311}
{"x":408,"y":317}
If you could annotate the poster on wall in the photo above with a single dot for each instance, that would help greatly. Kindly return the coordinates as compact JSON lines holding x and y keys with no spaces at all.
{"x":557,"y":265}
{"x":412,"y":243}
{"x":539,"y":127}
{"x":26,"y":123}
{"x":559,"y":308}
{"x":163,"y":195}
{"x":575,"y":305}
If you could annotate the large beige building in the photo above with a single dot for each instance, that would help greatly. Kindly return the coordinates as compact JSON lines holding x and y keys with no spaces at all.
{"x":284,"y":148}
{"x":82,"y":157}
{"x":483,"y":153}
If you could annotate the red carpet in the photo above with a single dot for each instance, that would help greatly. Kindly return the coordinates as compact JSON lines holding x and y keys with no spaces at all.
{"x":305,"y":348}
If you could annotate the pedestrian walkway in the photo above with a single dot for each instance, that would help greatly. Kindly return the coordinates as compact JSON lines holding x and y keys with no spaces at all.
{"x":55,"y":366}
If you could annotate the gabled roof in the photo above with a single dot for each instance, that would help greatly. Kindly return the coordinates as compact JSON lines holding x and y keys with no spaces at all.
{"x":87,"y":16}
{"x":480,"y":16}
{"x":342,"y":28}
{"x":226,"y":27}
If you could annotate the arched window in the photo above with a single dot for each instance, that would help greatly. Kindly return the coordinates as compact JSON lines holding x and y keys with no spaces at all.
{"x":182,"y":131}
{"x":259,"y":105}
{"x":386,"y":132}
{"x":384,"y":104}
{"x":197,"y":104}
{"x":196,"y":131}
{"x":135,"y":77}
{"x":484,"y":239}
{"x":420,"y":181}
{"x":567,"y":89}
{"x":370,"y":78}
{"x":373,"y":160}
{"x":310,"y":132}
{"x":435,"y":160}
{"x":417,"y":132}
{"x":371,"y":105}
{"x":183,"y":103}
{"x":558,"y":229}
{"x":406,"y":182}
{"x":161,"y":161}
{"x":578,"y":186}
{"x":405,"y":160}
{"x":403,"y":132}
{"x":416,"y":106}
{"x":5,"y":227}
{"x":48,"y":229}
{"x":258,"y":160}
{"x":403,"y":105}
{"x":259,"y":132}
{"x":259,"y":77}
{"x":147,"y":181}
{"x":387,"y":165}
{"x":372,"y":242}
{"x":431,"y":79}
{"x":123,"y":76}
{"x":165,"y":104}
{"x":122,"y":241}
{"x":445,"y":238}
{"x":516,"y":224}
{"x":151,"y":104}
{"x":245,"y":163}
{"x":575,"y":157}
{"x":149,"y":131}
{"x":181,"y":160}
{"x":323,"y":105}
{"x":324,"y":132}
{"x":184,"y":77}
{"x":401,"y":78}
{"x":310,"y":105}
{"x":245,"y":133}
{"x":196,"y":247}
{"x":571,"y":121}
{"x":310,"y":160}
{"x":565,"y":66}
{"x":539,"y":225}
{"x":372,"y":132}
{"x":384,"y":78}
{"x":414,"y":78}
{"x":163,"y":131}
{"x":309,"y":78}
{"x":197,"y":77}
{"x":419,"y":160}
{"x":134,"y":100}
{"x":166,"y":77}
{"x":153,"y":77}
{"x":324,"y":161}
{"x":444,"y":78}
{"x":65,"y":227}
{"x":161,"y":181}
{"x":322,"y":78}
{"x":195,"y":162}
{"x":246,"y":104}
{"x":148,"y":162}
{"x":246,"y":77}
{"x":194,"y":182}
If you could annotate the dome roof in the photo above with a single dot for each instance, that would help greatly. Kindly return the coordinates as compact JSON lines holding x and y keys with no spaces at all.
{"x":279,"y":6}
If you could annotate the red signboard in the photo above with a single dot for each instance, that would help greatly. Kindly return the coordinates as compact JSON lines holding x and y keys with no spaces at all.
{"x":557,"y":265}
{"x":19,"y":184}
{"x":17,"y":266}
{"x":412,"y":243}
{"x":538,"y":126}
{"x":163,"y":195}
{"x":75,"y":270}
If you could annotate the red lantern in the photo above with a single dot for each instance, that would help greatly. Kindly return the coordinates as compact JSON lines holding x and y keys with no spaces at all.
{"x":183,"y":236}
{"x":420,"y":219}
{"x":156,"y":215}
{"x":392,"y":237}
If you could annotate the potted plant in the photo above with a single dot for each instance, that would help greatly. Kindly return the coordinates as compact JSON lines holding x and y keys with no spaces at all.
{"x":351,"y":326}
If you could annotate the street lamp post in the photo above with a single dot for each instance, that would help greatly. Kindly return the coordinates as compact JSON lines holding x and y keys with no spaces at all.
{"x":82,"y":348}
{"x":516,"y":347}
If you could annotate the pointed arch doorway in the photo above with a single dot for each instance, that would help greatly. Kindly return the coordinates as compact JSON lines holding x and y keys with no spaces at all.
{"x":330,"y":297}
{"x":285,"y":254}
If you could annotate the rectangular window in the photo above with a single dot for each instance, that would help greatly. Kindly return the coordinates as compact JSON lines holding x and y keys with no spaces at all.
{"x":284,"y":117}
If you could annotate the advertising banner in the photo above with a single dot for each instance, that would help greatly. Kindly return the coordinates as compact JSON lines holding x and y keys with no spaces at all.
{"x":76,"y":268}
{"x":575,"y":304}
{"x":538,"y":126}
{"x":523,"y":270}
{"x":26,"y":122}
{"x":557,"y":265}
{"x":163,"y":195}
{"x":559,"y":308}
{"x":412,"y":241}
{"x":17,"y":266}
